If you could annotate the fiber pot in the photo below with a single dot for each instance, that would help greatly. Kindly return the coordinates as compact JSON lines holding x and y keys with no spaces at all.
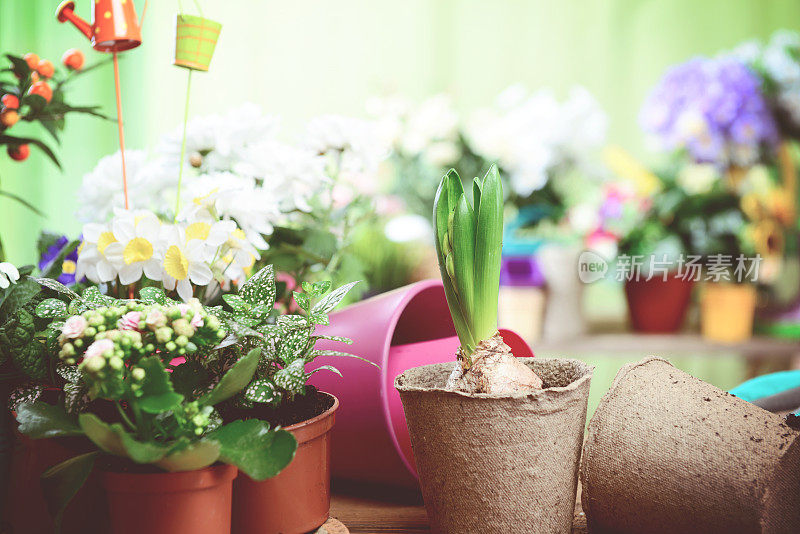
{"x":186,"y":502}
{"x":408,"y":327}
{"x":498,"y":464}
{"x":666,"y":452}
{"x":726,"y":312}
{"x":658,"y":305}
{"x":298,"y":499}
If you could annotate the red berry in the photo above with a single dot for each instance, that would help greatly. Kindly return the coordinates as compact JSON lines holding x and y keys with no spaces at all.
{"x":34,"y":76}
{"x":41,"y":89}
{"x":8,"y":117}
{"x":19,"y":152}
{"x":10,"y":101}
{"x":45,"y":68}
{"x":31,"y":59}
{"x":73,"y":59}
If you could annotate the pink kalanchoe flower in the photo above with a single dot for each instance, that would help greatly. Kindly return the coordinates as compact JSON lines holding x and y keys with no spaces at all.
{"x":130,"y":321}
{"x":98,"y":348}
{"x":197,"y":321}
{"x":155,"y":319}
{"x":74,"y":326}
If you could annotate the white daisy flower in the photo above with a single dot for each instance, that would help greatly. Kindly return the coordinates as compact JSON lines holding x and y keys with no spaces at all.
{"x":92,"y":261}
{"x":8,"y":274}
{"x":138,"y":248}
{"x":185,"y":263}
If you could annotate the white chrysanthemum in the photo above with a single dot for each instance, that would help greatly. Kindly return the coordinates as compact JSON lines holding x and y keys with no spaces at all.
{"x":531,"y":135}
{"x":102,"y":189}
{"x":215,"y":142}
{"x":288,"y":174}
{"x":92,"y":261}
{"x":355,"y":141}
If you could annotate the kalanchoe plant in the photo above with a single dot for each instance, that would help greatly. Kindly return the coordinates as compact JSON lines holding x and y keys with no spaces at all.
{"x":469,"y":239}
{"x":135,"y":400}
{"x":286,"y":342}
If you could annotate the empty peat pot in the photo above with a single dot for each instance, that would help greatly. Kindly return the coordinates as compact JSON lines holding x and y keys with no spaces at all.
{"x":185,"y":502}
{"x":666,"y":452}
{"x":499,"y":464}
{"x":298,"y":499}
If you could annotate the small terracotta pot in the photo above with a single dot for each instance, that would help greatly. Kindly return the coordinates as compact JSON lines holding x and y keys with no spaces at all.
{"x":658,"y":306}
{"x":726,"y":312}
{"x":297,"y":500}
{"x":186,"y":502}
{"x":499,"y":464}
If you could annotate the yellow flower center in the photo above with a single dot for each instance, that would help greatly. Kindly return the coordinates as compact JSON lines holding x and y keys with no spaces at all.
{"x":105,"y":239}
{"x":200,"y":201}
{"x":198,"y":230}
{"x":176,"y":264}
{"x":68,"y":267}
{"x":137,"y":249}
{"x":81,"y":247}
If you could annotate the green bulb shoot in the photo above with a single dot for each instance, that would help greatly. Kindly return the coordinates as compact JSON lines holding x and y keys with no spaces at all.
{"x":469,"y":241}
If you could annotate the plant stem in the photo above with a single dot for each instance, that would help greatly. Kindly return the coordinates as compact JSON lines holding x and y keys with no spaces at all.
{"x":124,"y":416}
{"x":183,"y":146}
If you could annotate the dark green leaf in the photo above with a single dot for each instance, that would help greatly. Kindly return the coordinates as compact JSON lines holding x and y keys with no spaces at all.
{"x":41,"y":420}
{"x":61,"y":482}
{"x":157,"y":395}
{"x":256,"y":450}
{"x":57,"y":286}
{"x":235,"y":380}
{"x":193,"y":456}
{"x":114,"y":439}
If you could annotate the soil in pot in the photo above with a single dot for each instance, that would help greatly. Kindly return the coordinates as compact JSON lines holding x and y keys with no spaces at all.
{"x":186,"y":502}
{"x":500,"y":464}
{"x":297,"y":500}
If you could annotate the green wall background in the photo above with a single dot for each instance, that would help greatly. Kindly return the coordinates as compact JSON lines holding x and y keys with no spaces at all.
{"x":300,"y":59}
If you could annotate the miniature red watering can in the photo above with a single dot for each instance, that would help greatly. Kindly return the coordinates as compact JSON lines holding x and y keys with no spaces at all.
{"x":114,"y":26}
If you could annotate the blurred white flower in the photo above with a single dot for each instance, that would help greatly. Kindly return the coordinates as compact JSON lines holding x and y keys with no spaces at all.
{"x":102,"y":188}
{"x":215,"y":142}
{"x":355,"y":143}
{"x":8,"y":274}
{"x":408,"y":228}
{"x":531,"y":135}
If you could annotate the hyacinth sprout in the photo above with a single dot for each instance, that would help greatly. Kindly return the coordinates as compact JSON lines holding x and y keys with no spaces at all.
{"x":469,"y":240}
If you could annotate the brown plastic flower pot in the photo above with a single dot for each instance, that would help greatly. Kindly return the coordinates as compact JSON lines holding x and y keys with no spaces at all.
{"x":498,"y":464}
{"x":298,"y":499}
{"x":666,"y":453}
{"x":658,"y":306}
{"x":187,"y":502}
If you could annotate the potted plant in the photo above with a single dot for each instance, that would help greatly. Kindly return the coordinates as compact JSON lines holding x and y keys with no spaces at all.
{"x":131,"y":387}
{"x":493,"y":433}
{"x":297,"y":500}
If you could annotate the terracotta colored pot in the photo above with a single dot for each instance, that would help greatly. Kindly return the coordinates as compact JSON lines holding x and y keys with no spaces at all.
{"x":23,"y":505}
{"x":726,"y":312}
{"x":298,"y":500}
{"x":657,"y":306}
{"x":186,"y":502}
{"x":408,"y":327}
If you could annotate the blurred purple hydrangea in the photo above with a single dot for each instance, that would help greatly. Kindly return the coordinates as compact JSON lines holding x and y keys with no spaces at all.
{"x":68,"y":264}
{"x":713,"y":108}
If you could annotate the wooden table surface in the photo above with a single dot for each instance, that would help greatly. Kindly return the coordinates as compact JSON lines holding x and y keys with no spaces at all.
{"x":382,"y":513}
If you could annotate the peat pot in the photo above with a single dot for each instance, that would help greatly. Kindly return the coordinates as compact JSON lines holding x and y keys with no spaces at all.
{"x":658,"y":306}
{"x":185,"y":502}
{"x":298,"y":499}
{"x":498,"y":464}
{"x":666,"y":453}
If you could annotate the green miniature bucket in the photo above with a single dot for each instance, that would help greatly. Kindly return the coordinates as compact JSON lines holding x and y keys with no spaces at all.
{"x":195,"y":40}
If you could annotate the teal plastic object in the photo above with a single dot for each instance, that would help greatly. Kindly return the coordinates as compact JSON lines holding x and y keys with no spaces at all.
{"x":767,"y":385}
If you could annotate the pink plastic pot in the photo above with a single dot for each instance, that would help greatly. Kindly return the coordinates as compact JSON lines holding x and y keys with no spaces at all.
{"x":404,"y":328}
